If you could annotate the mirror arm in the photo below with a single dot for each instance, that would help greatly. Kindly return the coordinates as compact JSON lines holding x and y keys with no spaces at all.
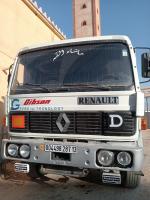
{"x":145,"y":81}
{"x":142,"y":48}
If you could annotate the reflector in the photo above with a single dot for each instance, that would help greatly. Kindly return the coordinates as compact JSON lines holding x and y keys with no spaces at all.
{"x":4,"y":121}
{"x":18,"y":121}
{"x":144,"y":123}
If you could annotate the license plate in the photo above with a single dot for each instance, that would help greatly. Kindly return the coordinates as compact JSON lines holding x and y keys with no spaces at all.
{"x":60,"y":148}
{"x":112,"y":178}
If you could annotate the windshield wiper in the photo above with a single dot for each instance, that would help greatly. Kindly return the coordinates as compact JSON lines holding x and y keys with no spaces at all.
{"x":123,"y":87}
{"x":31,"y":86}
{"x":88,"y":85}
{"x":67,"y":87}
{"x":104,"y":87}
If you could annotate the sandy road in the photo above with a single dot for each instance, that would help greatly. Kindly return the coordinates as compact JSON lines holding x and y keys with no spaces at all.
{"x":59,"y":188}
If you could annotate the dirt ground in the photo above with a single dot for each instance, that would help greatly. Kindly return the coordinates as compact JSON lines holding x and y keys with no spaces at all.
{"x":61,"y":188}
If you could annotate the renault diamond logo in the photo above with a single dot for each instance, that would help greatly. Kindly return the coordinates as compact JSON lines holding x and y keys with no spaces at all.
{"x":63,"y":127}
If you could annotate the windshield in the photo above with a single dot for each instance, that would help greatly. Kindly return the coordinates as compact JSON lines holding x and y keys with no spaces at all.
{"x":74,"y":68}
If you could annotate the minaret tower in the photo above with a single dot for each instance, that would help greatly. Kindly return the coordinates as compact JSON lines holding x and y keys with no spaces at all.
{"x":86,"y":15}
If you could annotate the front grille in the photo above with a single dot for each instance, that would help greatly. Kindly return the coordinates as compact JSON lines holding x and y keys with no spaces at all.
{"x":40,"y":122}
{"x":80,"y":123}
{"x":71,"y":128}
{"x":127,"y":128}
{"x":88,"y":123}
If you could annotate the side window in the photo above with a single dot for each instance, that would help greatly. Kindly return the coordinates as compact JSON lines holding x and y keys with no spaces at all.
{"x":20,"y":76}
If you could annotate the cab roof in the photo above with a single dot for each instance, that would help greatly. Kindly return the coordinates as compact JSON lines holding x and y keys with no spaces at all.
{"x":39,"y":46}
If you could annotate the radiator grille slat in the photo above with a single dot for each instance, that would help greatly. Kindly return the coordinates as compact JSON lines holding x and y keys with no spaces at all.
{"x":40,"y":122}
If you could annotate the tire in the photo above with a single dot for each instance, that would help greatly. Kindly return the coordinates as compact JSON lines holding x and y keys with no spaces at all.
{"x":34,"y":172}
{"x":130,"y":179}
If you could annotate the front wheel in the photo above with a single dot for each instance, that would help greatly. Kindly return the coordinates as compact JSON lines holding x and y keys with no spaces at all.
{"x":130,"y":179}
{"x":34,"y":172}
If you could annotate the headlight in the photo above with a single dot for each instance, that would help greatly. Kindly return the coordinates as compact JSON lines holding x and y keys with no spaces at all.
{"x":24,"y":151}
{"x":124,"y":158}
{"x":12,"y":150}
{"x":105,"y":158}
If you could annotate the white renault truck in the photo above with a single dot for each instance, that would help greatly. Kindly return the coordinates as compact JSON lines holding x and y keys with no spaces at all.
{"x":74,"y":107}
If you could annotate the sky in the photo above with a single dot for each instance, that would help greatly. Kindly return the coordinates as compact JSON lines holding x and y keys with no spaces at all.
{"x":118,"y":17}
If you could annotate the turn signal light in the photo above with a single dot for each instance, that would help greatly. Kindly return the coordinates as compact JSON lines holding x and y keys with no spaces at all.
{"x":4,"y":121}
{"x":143,"y":123}
{"x":18,"y":121}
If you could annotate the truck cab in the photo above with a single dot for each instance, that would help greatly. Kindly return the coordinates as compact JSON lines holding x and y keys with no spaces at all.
{"x":75,"y":106}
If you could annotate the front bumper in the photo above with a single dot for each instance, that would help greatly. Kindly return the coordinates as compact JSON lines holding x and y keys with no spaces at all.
{"x":85,"y":156}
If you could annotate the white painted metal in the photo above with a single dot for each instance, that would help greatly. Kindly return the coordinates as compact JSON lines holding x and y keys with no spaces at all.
{"x":132,"y":100}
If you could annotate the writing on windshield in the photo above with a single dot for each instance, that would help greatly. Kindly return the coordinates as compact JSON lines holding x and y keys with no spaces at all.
{"x":62,"y":52}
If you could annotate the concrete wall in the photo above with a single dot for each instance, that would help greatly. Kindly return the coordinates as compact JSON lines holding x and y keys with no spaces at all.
{"x":22,"y":24}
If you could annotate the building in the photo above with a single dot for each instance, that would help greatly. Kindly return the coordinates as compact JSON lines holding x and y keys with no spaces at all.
{"x":146,"y":91}
{"x":86,"y":14}
{"x":23,"y":23}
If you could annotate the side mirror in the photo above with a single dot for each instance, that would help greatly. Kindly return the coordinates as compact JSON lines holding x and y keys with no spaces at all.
{"x":145,"y":65}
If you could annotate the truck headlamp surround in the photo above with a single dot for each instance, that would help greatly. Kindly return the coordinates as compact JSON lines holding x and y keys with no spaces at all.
{"x":12,"y":150}
{"x":24,"y":151}
{"x":124,"y":158}
{"x":105,"y":157}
